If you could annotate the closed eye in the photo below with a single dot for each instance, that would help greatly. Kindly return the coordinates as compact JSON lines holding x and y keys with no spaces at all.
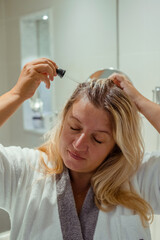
{"x":74,"y":129}
{"x":97,"y":140}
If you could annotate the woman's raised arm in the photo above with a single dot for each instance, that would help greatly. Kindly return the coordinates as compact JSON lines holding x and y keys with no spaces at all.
{"x":32,"y":74}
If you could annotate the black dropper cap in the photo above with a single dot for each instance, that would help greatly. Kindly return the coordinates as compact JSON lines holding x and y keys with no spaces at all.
{"x":60,"y":72}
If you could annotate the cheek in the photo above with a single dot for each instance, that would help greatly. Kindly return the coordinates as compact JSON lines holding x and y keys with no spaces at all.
{"x":62,"y":141}
{"x":104,"y":152}
{"x":65,"y":137}
{"x":97,"y":155}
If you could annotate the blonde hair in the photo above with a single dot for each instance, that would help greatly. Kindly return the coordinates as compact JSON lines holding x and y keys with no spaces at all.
{"x":111,"y":181}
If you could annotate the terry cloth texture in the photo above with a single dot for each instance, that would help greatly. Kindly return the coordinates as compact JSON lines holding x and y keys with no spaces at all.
{"x":74,"y":227}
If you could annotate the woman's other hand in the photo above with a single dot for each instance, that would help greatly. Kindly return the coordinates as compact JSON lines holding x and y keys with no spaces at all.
{"x":32,"y":74}
{"x":124,"y":83}
{"x":148,"y":108}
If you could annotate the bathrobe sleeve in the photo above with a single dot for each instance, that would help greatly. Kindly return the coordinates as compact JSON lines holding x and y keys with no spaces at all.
{"x":148,"y":180}
{"x":17,"y":167}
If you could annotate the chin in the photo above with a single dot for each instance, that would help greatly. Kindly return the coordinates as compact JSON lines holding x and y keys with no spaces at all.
{"x":70,"y":165}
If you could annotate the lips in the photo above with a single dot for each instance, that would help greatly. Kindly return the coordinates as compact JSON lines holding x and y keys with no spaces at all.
{"x":75,"y":156}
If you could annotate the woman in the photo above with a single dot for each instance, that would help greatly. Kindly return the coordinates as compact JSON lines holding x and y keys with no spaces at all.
{"x":88,"y":180}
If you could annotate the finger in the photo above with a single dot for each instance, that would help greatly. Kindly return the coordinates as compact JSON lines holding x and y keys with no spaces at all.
{"x":42,"y":60}
{"x":45,"y":69}
{"x":117,"y":79}
{"x":47,"y":61}
{"x":116,"y":82}
{"x":43,"y":78}
{"x":52,"y":64}
{"x":117,"y":76}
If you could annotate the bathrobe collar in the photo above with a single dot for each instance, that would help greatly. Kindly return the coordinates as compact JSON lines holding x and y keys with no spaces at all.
{"x":82,"y":227}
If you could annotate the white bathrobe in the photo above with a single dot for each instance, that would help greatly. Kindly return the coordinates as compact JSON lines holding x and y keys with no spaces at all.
{"x":43,"y":208}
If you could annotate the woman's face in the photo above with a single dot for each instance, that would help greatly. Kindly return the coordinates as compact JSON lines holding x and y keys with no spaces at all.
{"x":86,"y":138}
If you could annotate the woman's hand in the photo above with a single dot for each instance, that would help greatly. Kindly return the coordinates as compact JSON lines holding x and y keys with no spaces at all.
{"x":32,"y":74}
{"x":124,"y":83}
{"x":148,"y":108}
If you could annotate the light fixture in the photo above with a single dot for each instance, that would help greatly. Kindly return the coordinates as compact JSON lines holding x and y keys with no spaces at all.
{"x":45,"y":17}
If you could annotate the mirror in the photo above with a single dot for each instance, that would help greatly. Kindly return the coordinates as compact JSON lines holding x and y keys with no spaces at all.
{"x":105,"y":73}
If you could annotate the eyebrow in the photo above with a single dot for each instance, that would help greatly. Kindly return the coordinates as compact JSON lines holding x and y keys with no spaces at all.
{"x":75,"y":118}
{"x":101,"y":131}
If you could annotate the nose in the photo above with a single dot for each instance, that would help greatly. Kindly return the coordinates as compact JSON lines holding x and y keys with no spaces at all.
{"x":81,"y":143}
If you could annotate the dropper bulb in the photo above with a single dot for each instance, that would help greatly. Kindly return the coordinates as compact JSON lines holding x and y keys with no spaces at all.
{"x":60,"y":72}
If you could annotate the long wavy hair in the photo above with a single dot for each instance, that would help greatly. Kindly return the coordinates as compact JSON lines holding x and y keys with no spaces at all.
{"x":112,"y":180}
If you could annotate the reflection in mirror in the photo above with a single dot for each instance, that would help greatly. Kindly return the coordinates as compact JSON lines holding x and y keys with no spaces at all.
{"x":35,"y":36}
{"x":35,"y":42}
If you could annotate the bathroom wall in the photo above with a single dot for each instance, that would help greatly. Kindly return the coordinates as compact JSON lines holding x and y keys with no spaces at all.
{"x":85,"y":39}
{"x":139,"y":51}
{"x":139,"y":57}
{"x":5,"y":130}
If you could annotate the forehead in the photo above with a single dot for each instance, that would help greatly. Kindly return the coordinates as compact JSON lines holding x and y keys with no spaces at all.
{"x":87,"y":113}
